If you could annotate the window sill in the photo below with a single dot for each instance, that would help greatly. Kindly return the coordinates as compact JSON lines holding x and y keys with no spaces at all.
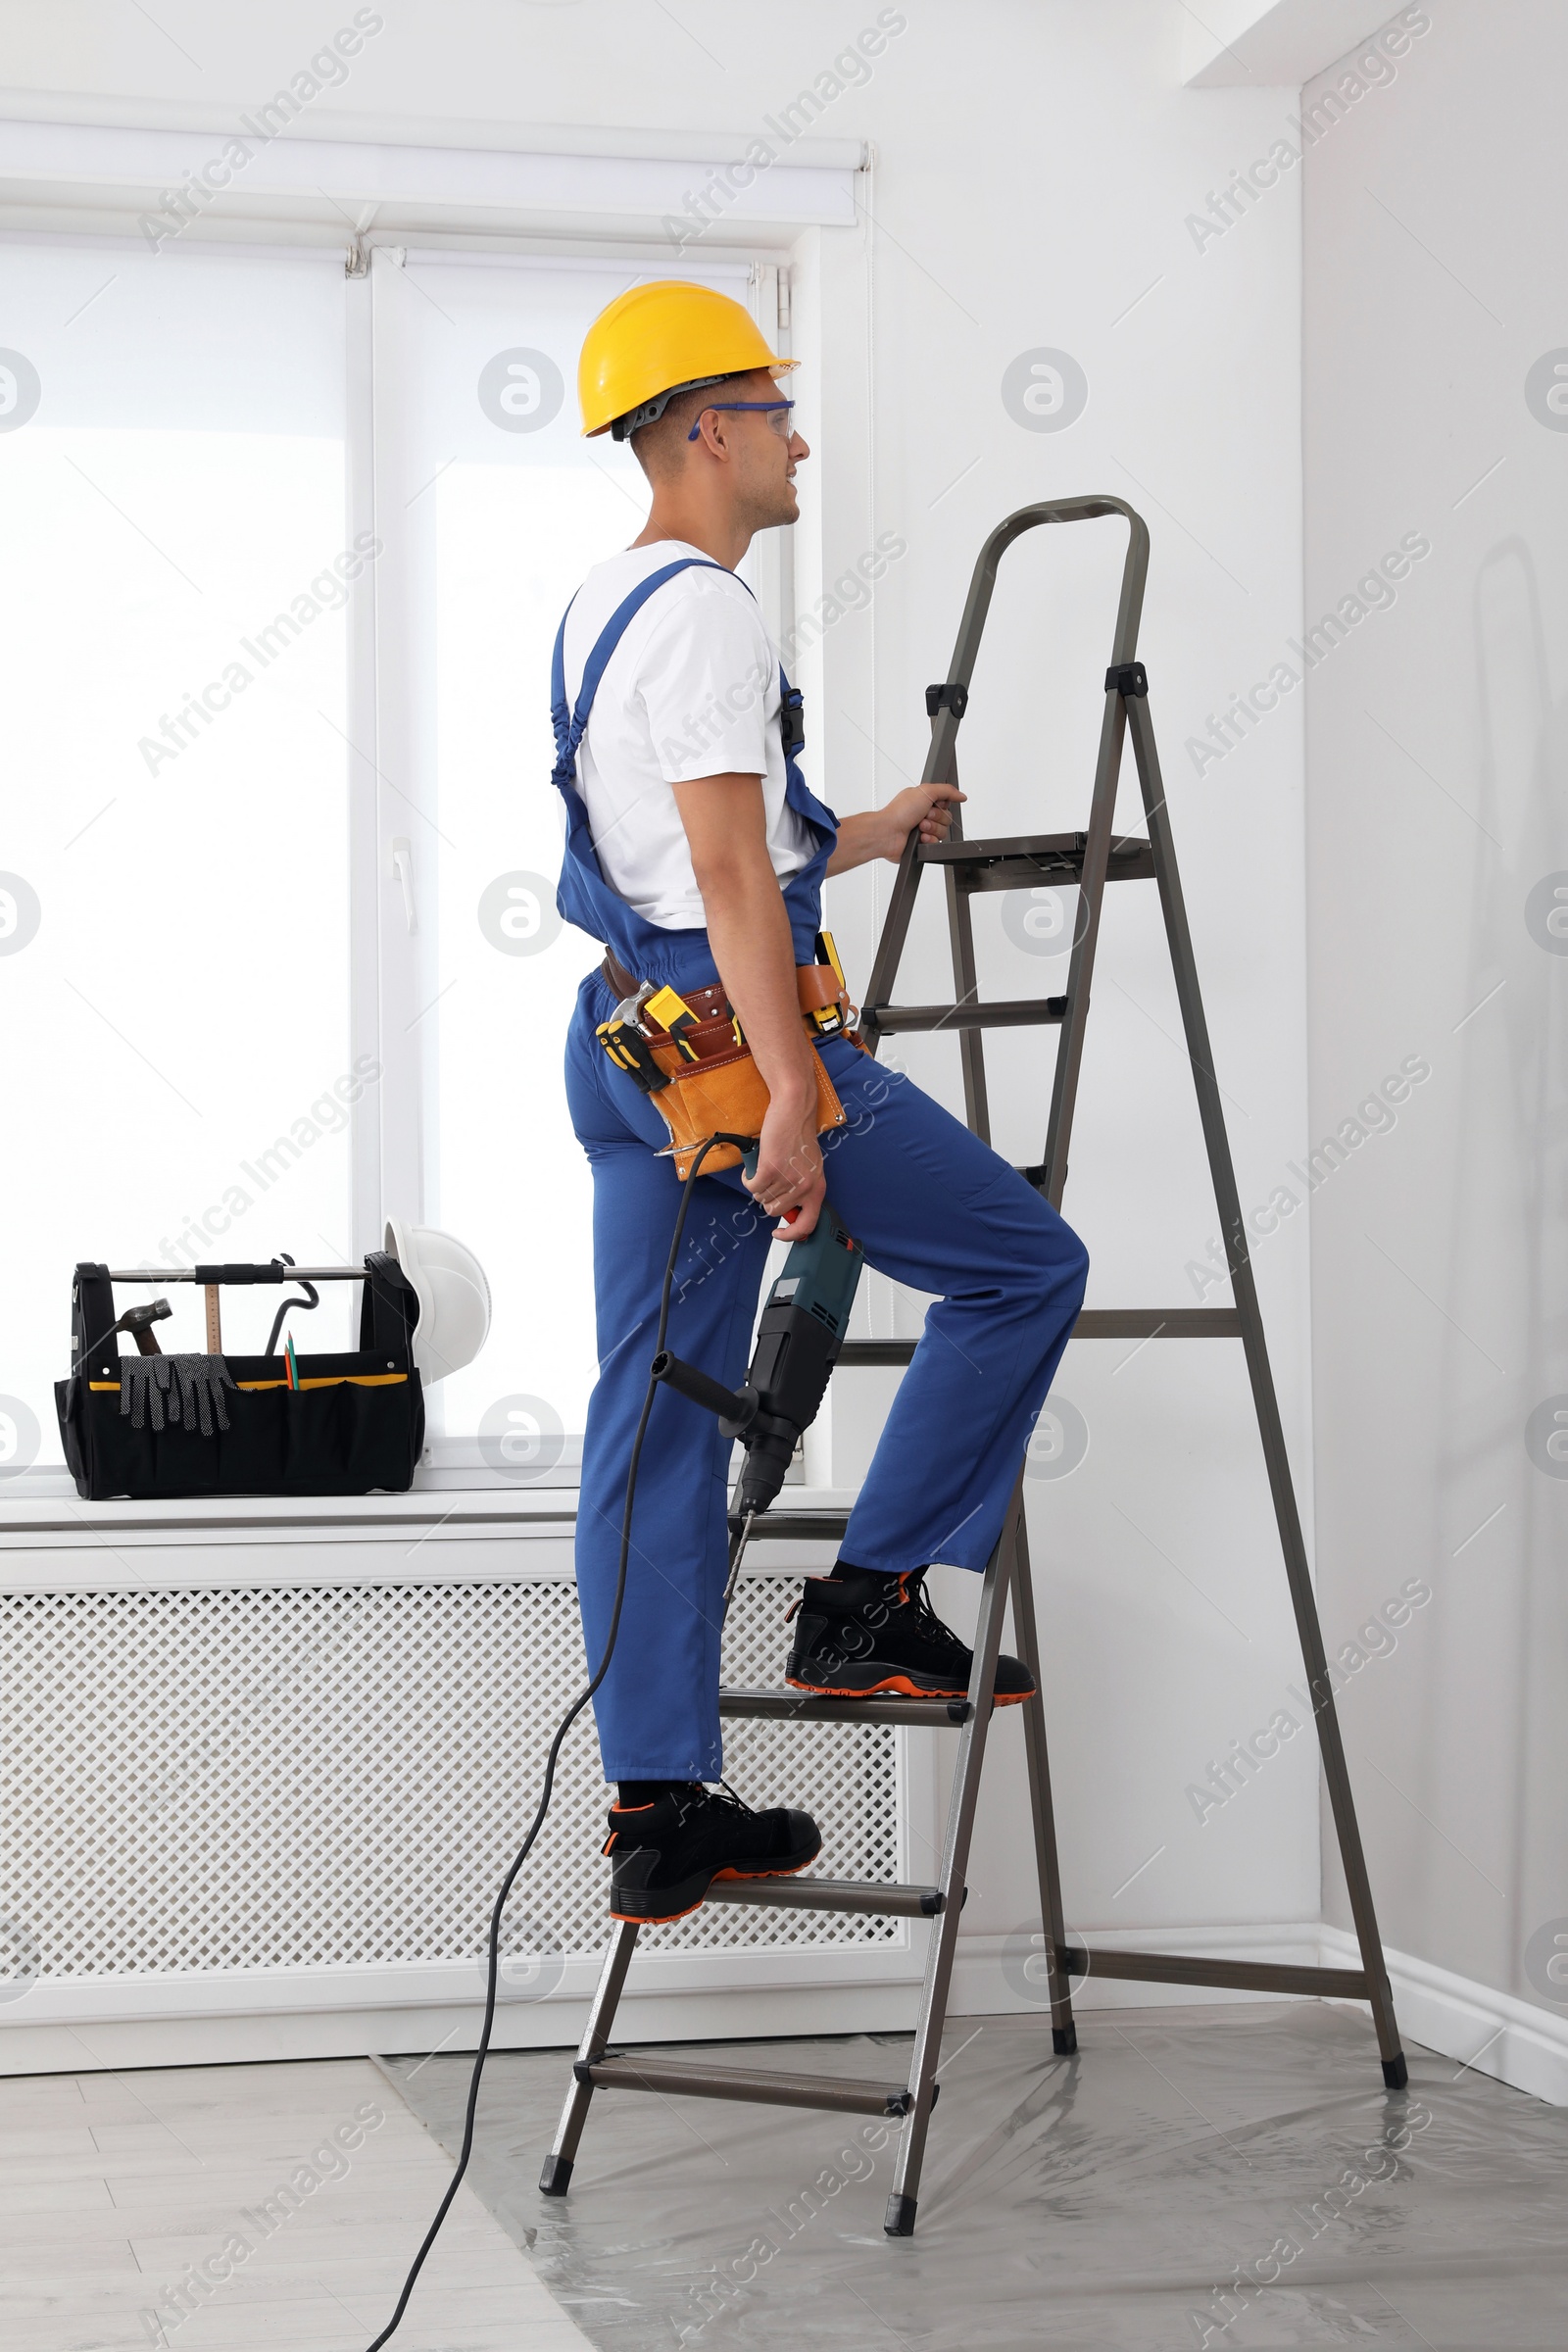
{"x":319,"y":1539}
{"x":60,"y":1510}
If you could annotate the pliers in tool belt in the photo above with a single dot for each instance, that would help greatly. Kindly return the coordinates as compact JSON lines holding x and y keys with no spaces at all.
{"x":622,"y":1039}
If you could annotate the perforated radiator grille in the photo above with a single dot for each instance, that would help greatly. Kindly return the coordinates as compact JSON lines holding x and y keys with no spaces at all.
{"x":291,"y":1778}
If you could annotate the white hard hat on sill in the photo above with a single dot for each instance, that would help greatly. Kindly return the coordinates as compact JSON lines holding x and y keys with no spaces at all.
{"x":454,"y":1296}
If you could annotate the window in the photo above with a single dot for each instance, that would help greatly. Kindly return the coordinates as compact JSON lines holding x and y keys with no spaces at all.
{"x":175,"y":904}
{"x":278,"y":949}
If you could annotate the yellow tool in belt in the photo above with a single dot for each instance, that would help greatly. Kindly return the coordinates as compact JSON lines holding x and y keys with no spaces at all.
{"x":827,"y":1020}
{"x":629,"y":1049}
{"x":674,"y":1016}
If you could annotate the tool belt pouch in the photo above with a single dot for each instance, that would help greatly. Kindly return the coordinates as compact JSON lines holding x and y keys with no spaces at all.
{"x":157,"y":1426}
{"x":723,"y":1094}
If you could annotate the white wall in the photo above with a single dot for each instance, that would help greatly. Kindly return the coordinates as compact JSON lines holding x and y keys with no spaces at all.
{"x":1036,"y":217}
{"x":1436,"y":740}
{"x":1037,"y":169}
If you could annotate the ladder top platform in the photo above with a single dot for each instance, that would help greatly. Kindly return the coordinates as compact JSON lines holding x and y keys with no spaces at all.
{"x":1013,"y":861}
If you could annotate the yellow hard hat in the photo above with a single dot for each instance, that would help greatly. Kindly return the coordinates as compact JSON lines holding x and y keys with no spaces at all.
{"x":662,"y":338}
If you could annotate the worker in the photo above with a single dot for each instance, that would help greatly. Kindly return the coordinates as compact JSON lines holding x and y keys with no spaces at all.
{"x":694,"y":858}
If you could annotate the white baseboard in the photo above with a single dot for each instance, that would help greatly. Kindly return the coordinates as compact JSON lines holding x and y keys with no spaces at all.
{"x":1509,"y":2039}
{"x":301,"y":2034}
{"x":358,"y":2012}
{"x":1514,"y":2040}
{"x":240,"y":2016}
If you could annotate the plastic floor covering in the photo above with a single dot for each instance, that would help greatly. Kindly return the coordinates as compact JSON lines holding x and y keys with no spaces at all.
{"x":1231,"y":2175}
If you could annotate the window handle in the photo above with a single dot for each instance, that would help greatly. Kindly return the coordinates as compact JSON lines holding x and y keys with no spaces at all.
{"x":403,"y":868}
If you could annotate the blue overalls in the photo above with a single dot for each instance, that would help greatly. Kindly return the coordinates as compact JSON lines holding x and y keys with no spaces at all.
{"x":935,"y":1209}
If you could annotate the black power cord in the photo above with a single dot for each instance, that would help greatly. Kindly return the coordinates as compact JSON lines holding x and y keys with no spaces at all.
{"x":563,"y":1728}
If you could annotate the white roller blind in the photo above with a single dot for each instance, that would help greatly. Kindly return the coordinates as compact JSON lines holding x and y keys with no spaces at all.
{"x":492,"y":508}
{"x":173,"y":976}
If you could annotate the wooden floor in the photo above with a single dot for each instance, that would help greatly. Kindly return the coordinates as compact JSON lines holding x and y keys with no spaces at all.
{"x":117,"y":2188}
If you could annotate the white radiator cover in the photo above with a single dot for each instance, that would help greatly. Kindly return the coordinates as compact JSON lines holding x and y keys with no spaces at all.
{"x":277,"y":1795}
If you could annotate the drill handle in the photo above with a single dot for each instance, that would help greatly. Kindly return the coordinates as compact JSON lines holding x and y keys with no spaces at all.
{"x":734,"y":1405}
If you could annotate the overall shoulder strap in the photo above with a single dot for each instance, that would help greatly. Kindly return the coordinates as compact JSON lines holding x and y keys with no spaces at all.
{"x":791,"y":715}
{"x":570,"y":727}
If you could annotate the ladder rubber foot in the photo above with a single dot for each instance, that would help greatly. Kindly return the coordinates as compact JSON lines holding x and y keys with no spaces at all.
{"x":1064,"y":2040}
{"x":1395,"y":2074}
{"x":899,"y":2219}
{"x":555,"y":2179}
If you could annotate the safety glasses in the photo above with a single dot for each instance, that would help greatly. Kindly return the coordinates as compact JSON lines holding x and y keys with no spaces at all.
{"x":777,"y":412}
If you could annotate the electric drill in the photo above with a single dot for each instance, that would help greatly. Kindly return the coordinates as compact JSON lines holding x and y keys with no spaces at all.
{"x":797,"y":1340}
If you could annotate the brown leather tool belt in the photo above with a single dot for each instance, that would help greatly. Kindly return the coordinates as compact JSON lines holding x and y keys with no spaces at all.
{"x":816,"y":985}
{"x":712,"y":1084}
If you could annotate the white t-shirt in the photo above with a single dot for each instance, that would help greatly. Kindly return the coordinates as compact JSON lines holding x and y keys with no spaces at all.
{"x":691,"y":690}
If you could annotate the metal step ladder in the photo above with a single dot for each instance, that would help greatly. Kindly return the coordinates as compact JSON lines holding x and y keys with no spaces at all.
{"x":1088,"y":860}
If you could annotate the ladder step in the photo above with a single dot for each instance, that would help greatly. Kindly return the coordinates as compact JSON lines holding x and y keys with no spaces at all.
{"x":1022,"y":861}
{"x":802,"y":1527}
{"x":1158,"y":1323}
{"x":831,"y":1894}
{"x":1094,"y":1323}
{"x":1237,"y":1976}
{"x":800,"y":1706}
{"x":1014,"y":1013}
{"x":768,"y":2089}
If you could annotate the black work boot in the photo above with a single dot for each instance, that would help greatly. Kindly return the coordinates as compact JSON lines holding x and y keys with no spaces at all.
{"x":664,"y":1856}
{"x":860,"y":1632}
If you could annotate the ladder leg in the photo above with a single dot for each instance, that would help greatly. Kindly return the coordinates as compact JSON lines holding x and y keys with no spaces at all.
{"x":556,"y":2177}
{"x":1244,"y":1289}
{"x":890,"y":944}
{"x":966,"y":989}
{"x":927,"y":2055}
{"x":1331,"y":1747}
{"x":1063,"y":2031}
{"x":1080,"y":971}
